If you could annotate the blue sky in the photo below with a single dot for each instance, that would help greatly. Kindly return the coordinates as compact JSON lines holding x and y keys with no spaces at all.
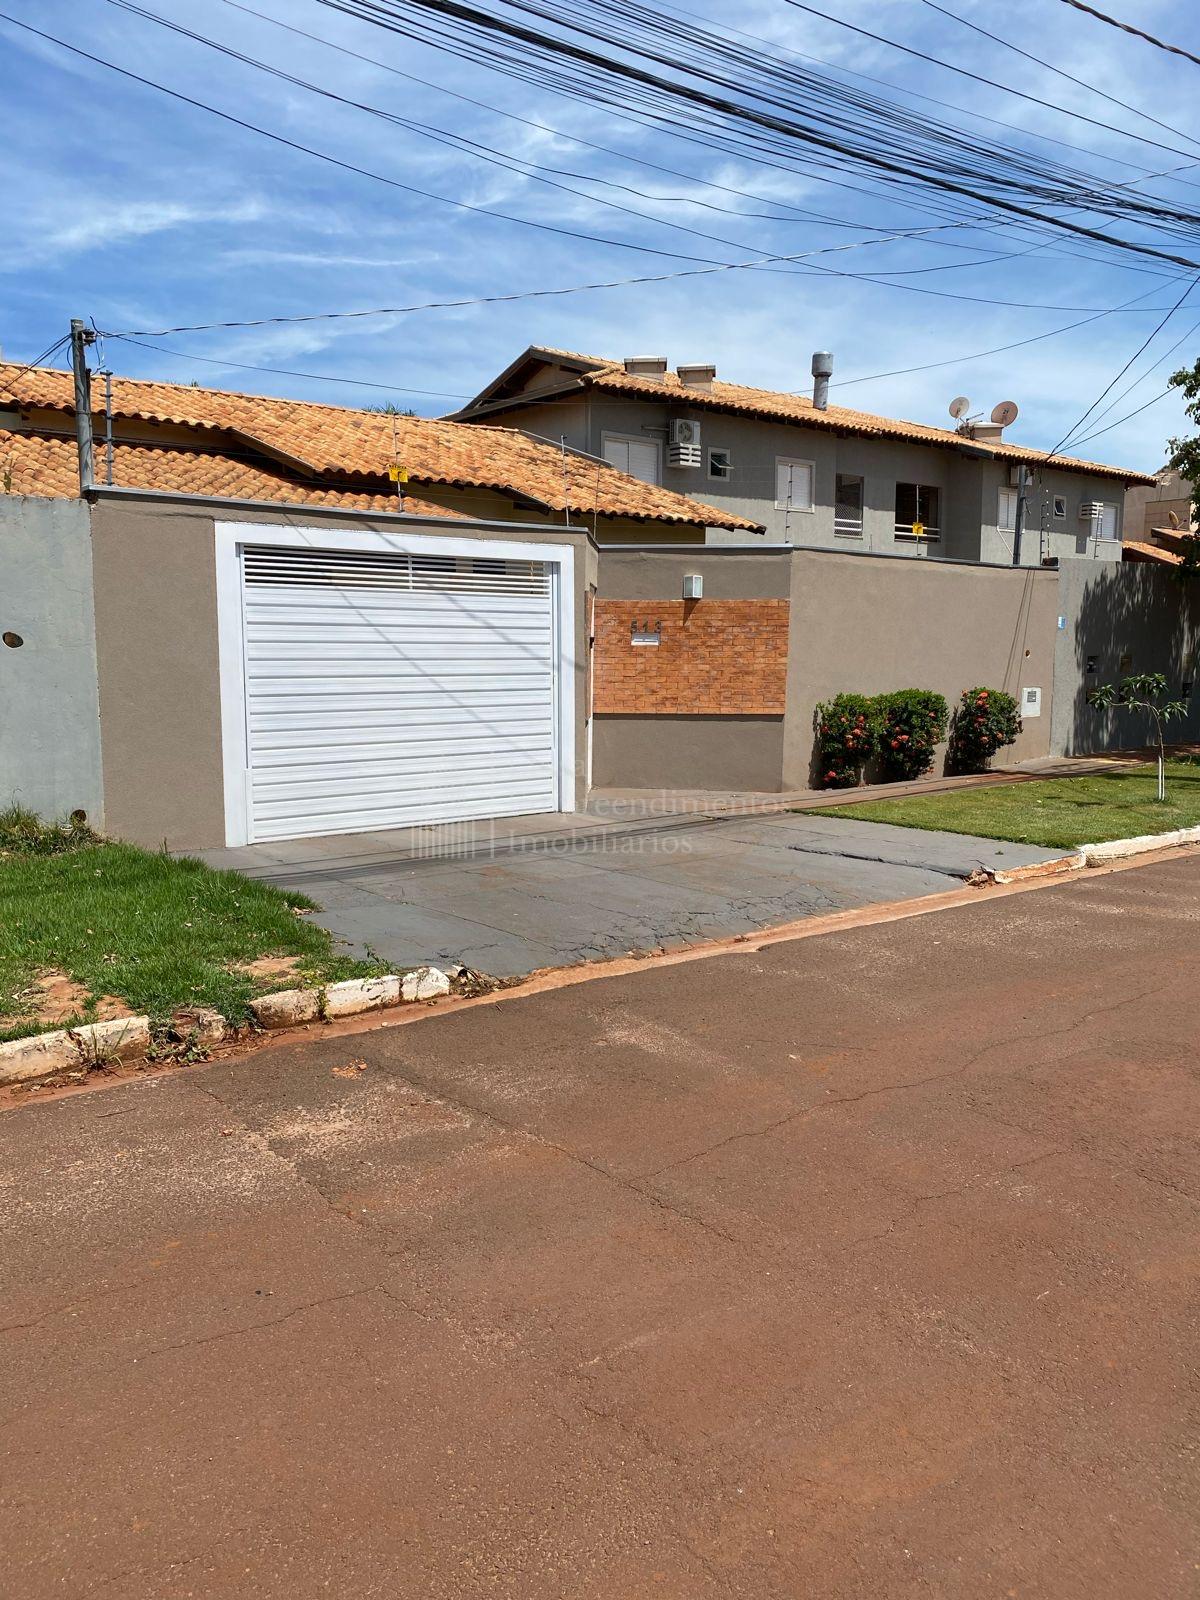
{"x":126,"y":206}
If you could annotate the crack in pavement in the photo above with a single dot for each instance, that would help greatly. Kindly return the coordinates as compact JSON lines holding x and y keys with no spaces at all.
{"x":894,"y":1088}
{"x":257,"y":1327}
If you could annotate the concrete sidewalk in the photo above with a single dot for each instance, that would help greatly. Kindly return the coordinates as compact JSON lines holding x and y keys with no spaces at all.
{"x":540,"y":892}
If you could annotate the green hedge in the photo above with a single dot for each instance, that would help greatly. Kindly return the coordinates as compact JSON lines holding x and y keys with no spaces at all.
{"x":985,"y":720}
{"x":900,"y":731}
{"x":911,"y":724}
{"x":847,"y":735}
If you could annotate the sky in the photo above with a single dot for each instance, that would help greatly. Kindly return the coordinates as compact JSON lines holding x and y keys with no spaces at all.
{"x":131,"y":208}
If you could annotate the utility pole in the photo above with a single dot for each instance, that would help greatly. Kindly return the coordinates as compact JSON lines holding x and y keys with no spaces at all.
{"x":81,"y":337}
{"x":1019,"y":519}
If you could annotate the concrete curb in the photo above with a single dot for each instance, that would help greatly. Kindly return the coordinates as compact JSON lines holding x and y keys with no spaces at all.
{"x":73,"y":1050}
{"x":1118,"y":849}
{"x":291,"y":1007}
{"x":1099,"y":855}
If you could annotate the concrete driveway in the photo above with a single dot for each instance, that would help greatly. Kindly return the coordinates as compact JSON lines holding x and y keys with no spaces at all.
{"x":510,"y":898}
{"x":860,"y":1268}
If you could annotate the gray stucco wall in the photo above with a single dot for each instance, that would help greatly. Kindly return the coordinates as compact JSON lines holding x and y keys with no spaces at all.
{"x":969,"y":485}
{"x":49,"y":711}
{"x":862,"y":625}
{"x":1127,"y":617}
{"x":873,"y":626}
{"x":159,"y":669}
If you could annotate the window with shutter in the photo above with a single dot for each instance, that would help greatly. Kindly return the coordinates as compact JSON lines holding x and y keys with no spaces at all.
{"x":793,"y":485}
{"x":638,"y":457}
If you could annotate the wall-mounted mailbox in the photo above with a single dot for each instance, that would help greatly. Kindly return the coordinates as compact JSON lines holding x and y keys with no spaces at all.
{"x":645,"y":633}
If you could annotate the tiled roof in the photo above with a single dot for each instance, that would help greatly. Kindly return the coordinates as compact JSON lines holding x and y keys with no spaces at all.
{"x":1138,"y":550}
{"x":45,"y":464}
{"x":336,"y":445}
{"x":1169,"y":547}
{"x":776,"y":406}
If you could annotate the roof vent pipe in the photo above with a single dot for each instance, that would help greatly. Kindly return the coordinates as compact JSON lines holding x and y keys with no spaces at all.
{"x":822,"y":371}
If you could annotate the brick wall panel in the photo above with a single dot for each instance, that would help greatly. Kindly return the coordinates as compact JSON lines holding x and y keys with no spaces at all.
{"x":717,"y":658}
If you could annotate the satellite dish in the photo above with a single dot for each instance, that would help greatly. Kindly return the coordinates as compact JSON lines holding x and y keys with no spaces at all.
{"x":959,"y":407}
{"x":1005,"y":413}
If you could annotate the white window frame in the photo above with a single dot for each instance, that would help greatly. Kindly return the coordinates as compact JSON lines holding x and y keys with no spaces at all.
{"x":931,"y":535}
{"x":718,"y":450}
{"x":1009,"y":497}
{"x":635,"y":438}
{"x":1108,"y":505}
{"x":1056,"y":501}
{"x":796,"y":461}
{"x":230,"y":539}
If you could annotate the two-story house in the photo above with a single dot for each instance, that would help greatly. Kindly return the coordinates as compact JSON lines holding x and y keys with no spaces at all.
{"x":811,"y":473}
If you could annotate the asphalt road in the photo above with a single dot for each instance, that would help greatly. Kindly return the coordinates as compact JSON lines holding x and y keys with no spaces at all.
{"x":862,"y":1266}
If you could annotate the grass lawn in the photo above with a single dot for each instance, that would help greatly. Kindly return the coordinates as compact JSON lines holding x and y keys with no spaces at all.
{"x":1052,"y":812}
{"x":156,"y":932}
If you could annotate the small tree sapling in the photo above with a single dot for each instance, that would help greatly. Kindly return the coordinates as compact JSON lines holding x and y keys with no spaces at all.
{"x":1144,"y":691}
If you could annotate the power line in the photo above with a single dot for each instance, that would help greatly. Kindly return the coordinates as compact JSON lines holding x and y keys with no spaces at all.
{"x":346,"y":166}
{"x":976,"y":77}
{"x":1111,"y":386}
{"x":1138,"y":33}
{"x":821,"y":219}
{"x":438,"y":136}
{"x":979,"y":355}
{"x":1126,"y":418}
{"x":915,"y":94}
{"x":1153,"y":367}
{"x":285,"y":372}
{"x":37,"y":361}
{"x":865,"y":144}
{"x":1049,"y":67}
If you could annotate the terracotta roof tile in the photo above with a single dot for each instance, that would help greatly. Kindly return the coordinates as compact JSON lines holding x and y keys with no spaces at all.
{"x":1138,"y":550}
{"x":335,"y":443}
{"x":41,"y":464}
{"x":774,"y":405}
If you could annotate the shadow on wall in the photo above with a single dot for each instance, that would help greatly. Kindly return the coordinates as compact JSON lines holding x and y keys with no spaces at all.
{"x":1130,"y":617}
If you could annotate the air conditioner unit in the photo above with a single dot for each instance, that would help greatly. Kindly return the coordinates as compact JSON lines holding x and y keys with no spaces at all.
{"x":1090,"y":511}
{"x":685,"y":442}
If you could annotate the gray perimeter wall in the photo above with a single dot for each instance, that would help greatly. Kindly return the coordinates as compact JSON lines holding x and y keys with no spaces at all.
{"x":49,"y":714}
{"x":1127,"y":617}
{"x":864,"y":624}
{"x":872,"y":625}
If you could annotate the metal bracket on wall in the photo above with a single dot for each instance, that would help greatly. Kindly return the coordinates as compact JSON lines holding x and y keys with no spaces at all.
{"x":643,"y":633}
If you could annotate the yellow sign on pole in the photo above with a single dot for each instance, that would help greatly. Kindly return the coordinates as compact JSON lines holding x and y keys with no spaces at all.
{"x":918,"y":529}
{"x":398,"y":474}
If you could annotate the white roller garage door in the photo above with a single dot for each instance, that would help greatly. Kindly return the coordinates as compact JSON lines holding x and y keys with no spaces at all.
{"x":386,"y":689}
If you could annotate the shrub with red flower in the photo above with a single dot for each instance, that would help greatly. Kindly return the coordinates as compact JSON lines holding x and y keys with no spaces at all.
{"x":911,"y":724}
{"x":985,"y":720}
{"x":846,"y":739}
